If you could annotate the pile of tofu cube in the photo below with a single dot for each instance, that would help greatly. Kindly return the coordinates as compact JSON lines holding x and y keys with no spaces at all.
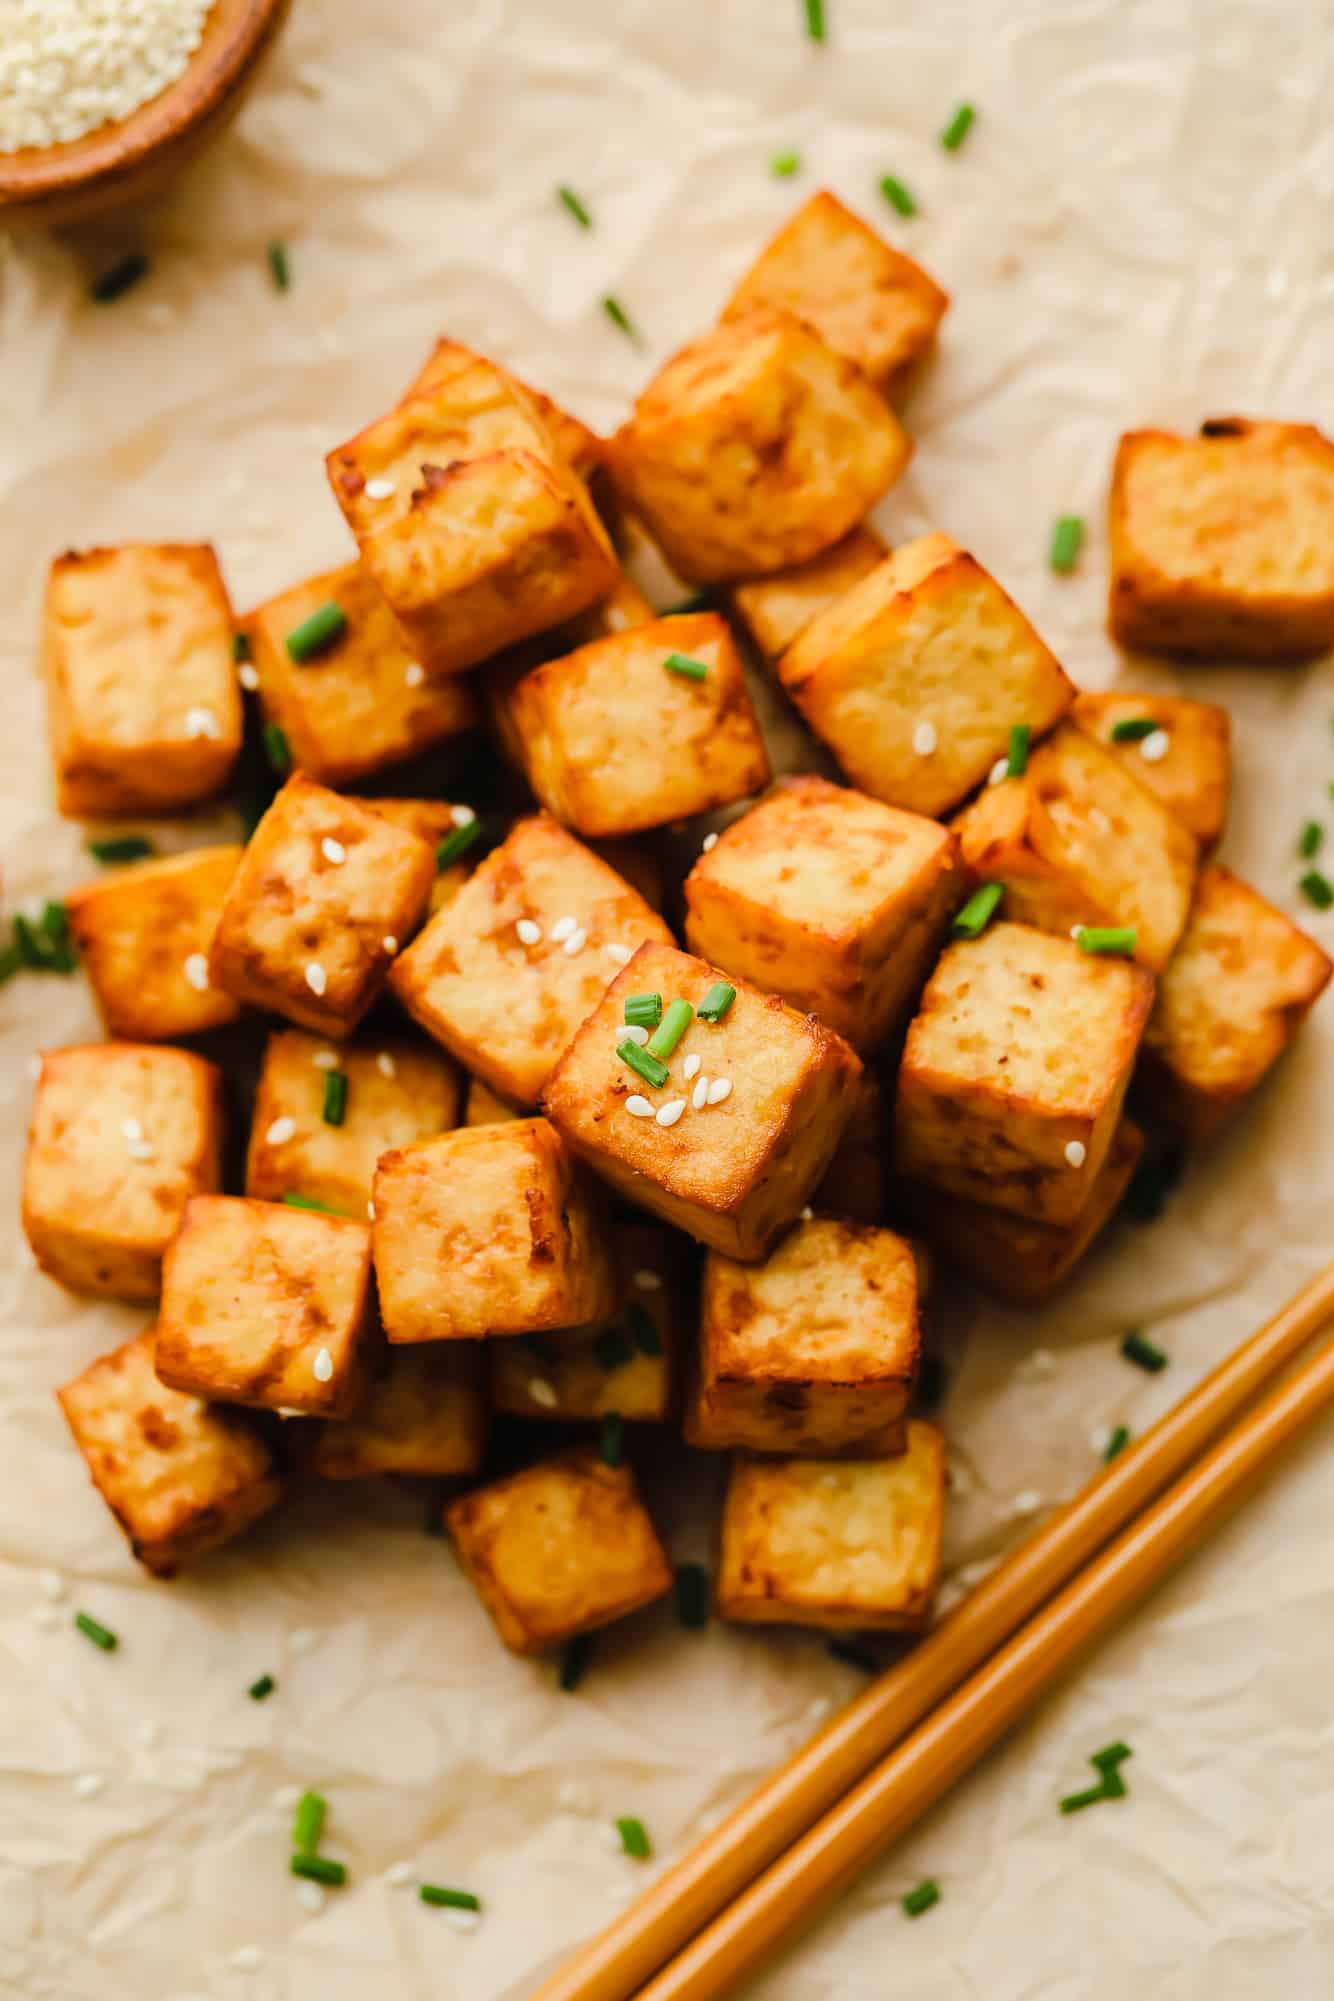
{"x":469,"y":1186}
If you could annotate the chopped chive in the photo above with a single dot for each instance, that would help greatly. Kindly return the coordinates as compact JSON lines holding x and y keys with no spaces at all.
{"x":93,"y":1629}
{"x":316,"y":634}
{"x":688,"y":669}
{"x":457,"y":843}
{"x":1111,"y":1756}
{"x":1114,"y":1786}
{"x":574,"y":1660}
{"x":1016,"y":761}
{"x":55,"y":922}
{"x":897,"y":195}
{"x":958,"y":128}
{"x":692,"y":1595}
{"x":854,"y":1654}
{"x":613,"y":1350}
{"x":783,"y":165}
{"x":611,"y":1439}
{"x":1312,"y":837}
{"x":320,"y":1869}
{"x":676,"y":1019}
{"x":1317,"y":889}
{"x":121,"y":278}
{"x":259,"y":1690}
{"x":277,"y":749}
{"x":1143,"y":1353}
{"x":1067,"y":538}
{"x":308,"y":1823}
{"x":814,"y":20}
{"x":716,"y":1001}
{"x":296,"y":1201}
{"x":643,"y":1010}
{"x":446,"y":1899}
{"x":1156,"y":1177}
{"x":644,"y":1065}
{"x":334,"y":1110}
{"x":280,"y":266}
{"x":240,"y":647}
{"x":1107,"y":940}
{"x":121,"y":848}
{"x":1075,"y":1802}
{"x":575,"y":207}
{"x":634,"y":1837}
{"x":643,"y":1329}
{"x":1118,"y":1442}
{"x":618,"y":316}
{"x":1133,"y":729}
{"x":921,"y":1899}
{"x":44,"y":947}
{"x":978,"y":912}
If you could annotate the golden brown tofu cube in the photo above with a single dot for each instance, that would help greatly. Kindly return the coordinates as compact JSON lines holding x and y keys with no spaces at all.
{"x":362,"y":704}
{"x":776,"y":609}
{"x":1015,"y":1069}
{"x":1078,"y":840}
{"x":144,"y":935}
{"x":559,"y":1549}
{"x":425,"y":1415}
{"x":504,"y":976}
{"x":1237,"y":989}
{"x":755,"y":448}
{"x":268,"y":1305}
{"x":122,"y":1136}
{"x":854,"y":1183}
{"x":484,"y":1108}
{"x":915,"y":677}
{"x":1222,"y":546}
{"x":835,"y":1543}
{"x":815,"y":1351}
{"x":489,"y":1230}
{"x":729,"y":1150}
{"x":384,"y":1092}
{"x":142,"y":700}
{"x":449,"y":363}
{"x":864,"y":299}
{"x":326,"y":893}
{"x":830,"y":899}
{"x":1180,"y":749}
{"x":613,"y":741}
{"x":180,"y":1476}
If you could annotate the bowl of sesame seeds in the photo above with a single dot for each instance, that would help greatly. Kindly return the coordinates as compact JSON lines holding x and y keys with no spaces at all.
{"x":102,"y":102}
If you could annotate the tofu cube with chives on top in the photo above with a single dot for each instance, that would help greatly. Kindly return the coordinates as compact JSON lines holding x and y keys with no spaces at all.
{"x":142,"y":700}
{"x":268,"y":1305}
{"x":425,"y":1416}
{"x":1015,"y":1069}
{"x":754,"y":448}
{"x":1234,"y":994}
{"x":831,"y":899}
{"x":1222,"y":545}
{"x":489,"y":1230}
{"x":324,"y":1114}
{"x":843,"y":1544}
{"x":854,"y":1183}
{"x":504,"y":976}
{"x":1078,"y":841}
{"x":122,"y":1136}
{"x":334,"y":672}
{"x":1179,"y":748}
{"x":815,"y":1351}
{"x":864,"y":298}
{"x":180,"y":1476}
{"x":449,"y":363}
{"x":776,"y":609}
{"x":327,"y":892}
{"x":916,"y":677}
{"x":143,"y":935}
{"x":559,"y":1549}
{"x":452,"y":830}
{"x":650,"y":725}
{"x":719,"y":1120}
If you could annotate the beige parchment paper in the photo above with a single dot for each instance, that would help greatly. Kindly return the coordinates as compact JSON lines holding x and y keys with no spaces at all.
{"x":1138,"y":231}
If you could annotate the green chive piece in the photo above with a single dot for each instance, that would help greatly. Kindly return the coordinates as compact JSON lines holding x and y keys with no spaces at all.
{"x":634,"y":1837}
{"x":1107,"y":940}
{"x":613,"y":1350}
{"x":458,"y":842}
{"x":611,"y":1440}
{"x":854,"y":1654}
{"x":643,"y":1010}
{"x":1067,"y":538}
{"x":815,"y":20}
{"x":335,"y":1097}
{"x":676,"y":1019}
{"x":643,"y":1329}
{"x":688,"y":669}
{"x":1118,"y":1442}
{"x":1016,"y":762}
{"x":1133,"y":729}
{"x":11,"y":962}
{"x":574,"y":1661}
{"x":978,"y":912}
{"x":120,"y":279}
{"x":716,"y":1002}
{"x":320,"y":1869}
{"x":277,"y":749}
{"x":1076,"y":1802}
{"x":296,"y":1201}
{"x":259,"y":1690}
{"x":308,"y":1823}
{"x":1111,"y":1756}
{"x":1317,"y":889}
{"x":240,"y":647}
{"x":618,"y":316}
{"x":692,"y":1595}
{"x":1143,"y":1353}
{"x":121,"y":848}
{"x":1154,"y":1180}
{"x":1312,"y":837}
{"x":93,"y":1629}
{"x":280,"y":266}
{"x":1114,"y":1786}
{"x":44,"y":947}
{"x":316,"y":634}
{"x":921,"y":1899}
{"x":446,"y":1899}
{"x":960,"y":125}
{"x":575,"y":207}
{"x":897,"y":195}
{"x":644,"y":1065}
{"x":784,"y":165}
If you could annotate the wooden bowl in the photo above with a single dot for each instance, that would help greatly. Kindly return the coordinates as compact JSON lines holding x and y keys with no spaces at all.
{"x":137,"y":156}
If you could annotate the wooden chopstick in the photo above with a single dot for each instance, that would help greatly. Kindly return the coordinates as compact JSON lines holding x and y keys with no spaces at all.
{"x":615,"y":1964}
{"x":806,"y":1879}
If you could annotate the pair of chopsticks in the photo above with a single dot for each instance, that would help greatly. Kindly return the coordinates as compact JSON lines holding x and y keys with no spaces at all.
{"x":787,"y":1851}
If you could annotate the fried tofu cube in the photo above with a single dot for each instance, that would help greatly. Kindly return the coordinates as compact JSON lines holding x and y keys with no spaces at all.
{"x":122,"y":1136}
{"x":268,"y":1305}
{"x":435,"y":821}
{"x":489,"y":1230}
{"x":387,"y":1092}
{"x":504,"y":976}
{"x":327,"y":891}
{"x":638,"y":863}
{"x":815,"y":1351}
{"x":915,"y":677}
{"x":1188,"y":759}
{"x":425,"y":1415}
{"x":1237,"y":989}
{"x":864,"y":299}
{"x":1015,"y":1069}
{"x":755,"y":448}
{"x":775,"y":610}
{"x":449,"y":363}
{"x":484,"y":1108}
{"x":613,"y":741}
{"x":854,"y":1183}
{"x":560,"y":1549}
{"x":143,"y":935}
{"x":181,"y":1477}
{"x":364,"y":703}
{"x":829,"y":898}
{"x":142,"y":699}
{"x":1222,"y":546}
{"x":730,"y":1166}
{"x":835,"y":1543}
{"x":1078,"y":840}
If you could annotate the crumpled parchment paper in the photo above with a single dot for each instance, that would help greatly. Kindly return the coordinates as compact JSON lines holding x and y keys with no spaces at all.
{"x":1137,"y":231}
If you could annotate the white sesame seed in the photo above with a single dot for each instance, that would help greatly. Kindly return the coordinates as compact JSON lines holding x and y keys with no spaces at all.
{"x":541,"y":1393}
{"x":1100,"y":1437}
{"x":389,"y":943}
{"x":88,"y":1785}
{"x":1026,"y":1503}
{"x":414,"y":673}
{"x":140,"y":1149}
{"x":648,"y":1281}
{"x":131,"y":1128}
{"x":462,"y":816}
{"x":150,"y":1732}
{"x":690,"y":1068}
{"x":699,"y":1097}
{"x":462,"y":1921}
{"x":563,"y":928}
{"x":311,"y":1897}
{"x":708,"y":844}
{"x":638,"y":1108}
{"x":1076,"y":1153}
{"x":399,"y":1874}
{"x":280,"y":1132}
{"x":286,"y":1798}
{"x":1276,"y":284}
{"x":924,"y":738}
{"x":322,"y":1367}
{"x":201,"y":722}
{"x":316,"y":977}
{"x":630,"y":1031}
{"x":35,"y":1065}
{"x":247,"y":1959}
{"x":576,"y":1797}
{"x":668,"y":1114}
{"x":325,"y":1059}
{"x":53,"y":1586}
{"x":620,"y":955}
{"x":1000,"y":771}
{"x":379,"y":489}
{"x":301,"y":1639}
{"x":818,"y":1710}
{"x":1154,"y":747}
{"x":720,"y":1088}
{"x":248,"y":676}
{"x":1039,"y":1362}
{"x":611,"y":1835}
{"x":529,"y":933}
{"x":575,"y":943}
{"x":332,"y":850}
{"x":807,"y":1215}
{"x":370,"y":1212}
{"x":1076,"y":931}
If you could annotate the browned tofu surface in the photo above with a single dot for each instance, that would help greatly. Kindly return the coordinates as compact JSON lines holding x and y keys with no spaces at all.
{"x":1186,"y":759}
{"x":855,"y":1182}
{"x":434,"y":821}
{"x":143,"y":934}
{"x":484,"y":1108}
{"x":777,"y":608}
{"x":449,"y":362}
{"x":425,"y":1415}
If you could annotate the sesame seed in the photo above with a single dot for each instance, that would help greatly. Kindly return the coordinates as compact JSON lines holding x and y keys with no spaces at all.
{"x":620,"y":955}
{"x":379,"y":489}
{"x":311,"y":1897}
{"x":529,"y":933}
{"x":648,"y":1281}
{"x":541,"y":1393}
{"x":399,"y":1874}
{"x":88,"y":1785}
{"x":690,"y":1068}
{"x":1000,"y":770}
{"x":131,"y":1129}
{"x":807,"y":1214}
{"x":280,"y":1132}
{"x":196,"y":972}
{"x":924,"y":739}
{"x":1075,"y":930}
{"x":370,"y":1212}
{"x":1026,"y":1503}
{"x":699,"y":1097}
{"x":720,"y":1088}
{"x":140,"y":1149}
{"x":316,"y":977}
{"x":385,"y":1064}
{"x":708,"y":844}
{"x":1076,"y":1153}
{"x":325,"y":1059}
{"x":53,"y":1586}
{"x":1154,"y":747}
{"x":638,"y":1108}
{"x":563,"y":928}
{"x":248,"y":676}
{"x":1039,"y":1362}
{"x":818,"y":1710}
{"x":630,"y":1031}
{"x":668,"y":1114}
{"x":1276,"y":284}
{"x":150,"y":1732}
{"x":1100,"y":1437}
{"x":332,"y":850}
{"x":201,"y":722}
{"x":247,"y":1959}
{"x":301,"y":1639}
{"x":34,"y":1067}
{"x":462,"y":1921}
{"x":575,"y":943}
{"x":389,"y":943}
{"x":286,"y":1798}
{"x":414,"y":673}
{"x":462,"y":816}
{"x":576,"y":1798}
{"x":322,"y":1367}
